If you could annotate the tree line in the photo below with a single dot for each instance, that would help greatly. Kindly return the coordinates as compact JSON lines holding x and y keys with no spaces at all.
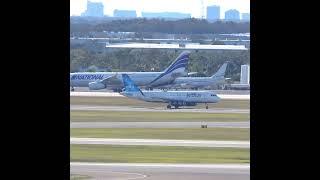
{"x":183,"y":26}
{"x":204,"y":62}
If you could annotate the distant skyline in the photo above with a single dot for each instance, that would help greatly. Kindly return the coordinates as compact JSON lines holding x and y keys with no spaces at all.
{"x":184,"y":6}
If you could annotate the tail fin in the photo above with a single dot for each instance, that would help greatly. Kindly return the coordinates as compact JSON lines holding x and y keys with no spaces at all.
{"x":221,"y":71}
{"x":180,"y":62}
{"x":129,"y":85}
{"x":178,"y":65}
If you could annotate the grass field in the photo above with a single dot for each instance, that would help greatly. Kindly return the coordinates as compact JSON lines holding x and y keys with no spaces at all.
{"x":129,"y":116}
{"x":79,"y":177}
{"x":164,"y":133}
{"x":123,"y":101}
{"x":157,"y":154}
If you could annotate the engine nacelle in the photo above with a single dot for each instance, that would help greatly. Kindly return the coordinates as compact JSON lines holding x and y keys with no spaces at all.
{"x":96,"y":86}
{"x":183,"y":103}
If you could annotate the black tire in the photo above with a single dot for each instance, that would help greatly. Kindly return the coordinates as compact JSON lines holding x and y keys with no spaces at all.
{"x":168,"y":107}
{"x":207,"y":107}
{"x":176,"y":107}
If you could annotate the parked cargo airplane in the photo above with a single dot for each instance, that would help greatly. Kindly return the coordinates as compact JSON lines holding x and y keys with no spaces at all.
{"x":113,"y":80}
{"x":199,"y":82}
{"x":173,"y":98}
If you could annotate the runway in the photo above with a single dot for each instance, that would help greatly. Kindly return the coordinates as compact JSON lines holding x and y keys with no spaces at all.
{"x":153,"y":171}
{"x":154,"y":109}
{"x":112,"y":94}
{"x":159,"y":124}
{"x":160,"y":142}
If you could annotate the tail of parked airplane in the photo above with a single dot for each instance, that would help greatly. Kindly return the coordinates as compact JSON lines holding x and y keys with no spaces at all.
{"x":129,"y":85}
{"x":177,"y":67}
{"x":221,"y":72}
{"x":180,"y":62}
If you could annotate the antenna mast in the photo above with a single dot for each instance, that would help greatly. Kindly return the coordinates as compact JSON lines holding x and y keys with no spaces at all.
{"x":202,"y":9}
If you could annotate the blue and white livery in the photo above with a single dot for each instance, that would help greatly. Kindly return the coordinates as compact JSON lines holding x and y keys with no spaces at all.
{"x":113,"y":80}
{"x":173,"y":98}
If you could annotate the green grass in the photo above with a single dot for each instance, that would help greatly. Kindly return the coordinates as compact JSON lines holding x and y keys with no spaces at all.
{"x":79,"y":177}
{"x":157,"y":154}
{"x":123,"y":101}
{"x":127,"y":116}
{"x":164,"y":133}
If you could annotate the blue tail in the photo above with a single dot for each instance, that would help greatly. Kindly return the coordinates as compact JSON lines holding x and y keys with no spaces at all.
{"x":129,"y":85}
{"x":180,"y":62}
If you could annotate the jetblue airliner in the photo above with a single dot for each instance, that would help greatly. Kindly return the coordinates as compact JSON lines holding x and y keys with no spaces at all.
{"x":173,"y":98}
{"x":113,"y":80}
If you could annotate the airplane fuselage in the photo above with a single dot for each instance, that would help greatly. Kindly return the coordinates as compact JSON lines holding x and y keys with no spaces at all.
{"x":194,"y":82}
{"x":140,"y":78}
{"x":178,"y":97}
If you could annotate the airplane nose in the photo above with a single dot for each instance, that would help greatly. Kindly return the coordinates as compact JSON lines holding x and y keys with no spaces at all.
{"x":218,"y":98}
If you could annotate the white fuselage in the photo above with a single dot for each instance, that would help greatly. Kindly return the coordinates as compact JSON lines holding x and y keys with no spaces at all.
{"x":174,"y":96}
{"x":195,"y":82}
{"x":140,"y":78}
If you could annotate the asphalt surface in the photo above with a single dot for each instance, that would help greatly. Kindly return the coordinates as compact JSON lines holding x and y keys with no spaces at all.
{"x":160,"y":142}
{"x":159,"y":124}
{"x":112,"y":94}
{"x":125,"y":171}
{"x":154,"y":109}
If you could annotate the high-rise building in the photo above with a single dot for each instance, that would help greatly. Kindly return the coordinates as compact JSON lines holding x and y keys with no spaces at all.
{"x":124,"y":13}
{"x":232,"y":15}
{"x":213,"y":12}
{"x":94,"y":9}
{"x":245,"y":74}
{"x":245,"y":17}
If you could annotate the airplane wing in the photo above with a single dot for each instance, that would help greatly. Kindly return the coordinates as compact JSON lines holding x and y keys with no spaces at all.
{"x":184,"y":85}
{"x":112,"y":80}
{"x":192,"y":73}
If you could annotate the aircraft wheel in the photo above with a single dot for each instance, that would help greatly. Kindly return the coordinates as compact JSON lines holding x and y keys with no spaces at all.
{"x":207,"y":107}
{"x":72,"y":89}
{"x":168,"y":107}
{"x":176,"y":107}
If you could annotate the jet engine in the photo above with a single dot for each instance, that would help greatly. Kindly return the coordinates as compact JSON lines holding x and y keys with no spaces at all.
{"x":97,"y":86}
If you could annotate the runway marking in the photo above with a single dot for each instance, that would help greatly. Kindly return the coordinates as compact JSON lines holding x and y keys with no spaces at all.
{"x":215,"y":166}
{"x":159,"y":124}
{"x":140,"y":176}
{"x":160,"y":142}
{"x":143,"y":175}
{"x":154,"y":109}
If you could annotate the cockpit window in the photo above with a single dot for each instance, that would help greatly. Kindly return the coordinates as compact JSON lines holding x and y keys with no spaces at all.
{"x":213,"y":95}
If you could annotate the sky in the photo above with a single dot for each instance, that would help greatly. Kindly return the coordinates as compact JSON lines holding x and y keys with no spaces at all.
{"x":183,"y":6}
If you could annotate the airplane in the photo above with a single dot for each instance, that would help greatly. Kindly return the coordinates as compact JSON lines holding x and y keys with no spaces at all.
{"x":199,"y":82}
{"x":112,"y":80}
{"x":173,"y":98}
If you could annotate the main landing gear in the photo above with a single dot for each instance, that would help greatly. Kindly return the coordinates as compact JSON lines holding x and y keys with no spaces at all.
{"x":72,"y":88}
{"x":170,"y":107}
{"x":207,"y":107}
